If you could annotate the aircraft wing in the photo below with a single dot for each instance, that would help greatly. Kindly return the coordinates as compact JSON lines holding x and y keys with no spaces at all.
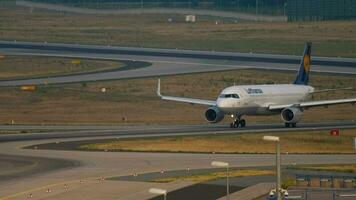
{"x":183,"y":99}
{"x":189,"y":100}
{"x":309,"y":104}
{"x":331,"y":90}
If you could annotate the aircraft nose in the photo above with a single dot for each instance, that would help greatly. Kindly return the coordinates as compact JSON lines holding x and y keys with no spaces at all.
{"x":222,"y":103}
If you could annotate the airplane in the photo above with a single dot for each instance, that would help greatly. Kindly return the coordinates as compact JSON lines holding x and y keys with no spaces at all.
{"x":288,"y":100}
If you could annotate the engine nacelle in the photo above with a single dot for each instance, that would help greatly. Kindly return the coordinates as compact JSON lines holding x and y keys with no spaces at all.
{"x":291,"y":115}
{"x":214,"y":115}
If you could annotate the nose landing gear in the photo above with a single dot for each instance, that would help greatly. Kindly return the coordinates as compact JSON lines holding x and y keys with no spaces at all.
{"x":290,"y":125}
{"x":238,"y":122}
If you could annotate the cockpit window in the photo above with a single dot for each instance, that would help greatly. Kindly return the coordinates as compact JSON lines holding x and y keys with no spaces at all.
{"x":235,"y":96}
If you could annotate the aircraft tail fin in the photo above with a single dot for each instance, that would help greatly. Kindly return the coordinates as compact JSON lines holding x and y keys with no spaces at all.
{"x":303,"y":73}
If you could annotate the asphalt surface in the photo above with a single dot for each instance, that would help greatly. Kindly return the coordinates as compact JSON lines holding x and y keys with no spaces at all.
{"x":57,"y":167}
{"x":188,"y":54}
{"x":165,"y":61}
{"x":13,"y":167}
{"x":215,"y":189}
{"x":156,"y":131}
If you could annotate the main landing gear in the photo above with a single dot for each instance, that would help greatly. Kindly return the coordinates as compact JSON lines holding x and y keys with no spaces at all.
{"x":238,"y":122}
{"x":290,"y":125}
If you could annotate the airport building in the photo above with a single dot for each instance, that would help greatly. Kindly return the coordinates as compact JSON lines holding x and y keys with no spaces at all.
{"x":319,"y":10}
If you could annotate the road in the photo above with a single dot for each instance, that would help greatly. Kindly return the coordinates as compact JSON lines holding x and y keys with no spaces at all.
{"x":165,"y":62}
{"x":42,"y":169}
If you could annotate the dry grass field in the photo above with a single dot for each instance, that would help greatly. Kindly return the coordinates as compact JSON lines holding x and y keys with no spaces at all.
{"x":14,"y":67}
{"x":334,"y":38}
{"x":292,"y":142}
{"x":136,"y":100}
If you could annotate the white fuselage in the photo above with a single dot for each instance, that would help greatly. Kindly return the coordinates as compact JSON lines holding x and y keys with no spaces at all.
{"x":255,"y":99}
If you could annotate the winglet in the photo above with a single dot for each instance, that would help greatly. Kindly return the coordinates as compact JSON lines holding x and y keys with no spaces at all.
{"x":159,"y":88}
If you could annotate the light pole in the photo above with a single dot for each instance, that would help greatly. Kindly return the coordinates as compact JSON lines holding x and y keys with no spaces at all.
{"x":223,"y":164}
{"x":278,"y":163}
{"x":159,"y":192}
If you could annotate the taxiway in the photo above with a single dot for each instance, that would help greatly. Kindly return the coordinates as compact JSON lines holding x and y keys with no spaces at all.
{"x":45,"y":168}
{"x":164,"y":61}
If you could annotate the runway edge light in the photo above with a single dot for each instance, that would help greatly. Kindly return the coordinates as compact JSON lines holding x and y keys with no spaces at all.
{"x":28,"y":88}
{"x":335,"y":132}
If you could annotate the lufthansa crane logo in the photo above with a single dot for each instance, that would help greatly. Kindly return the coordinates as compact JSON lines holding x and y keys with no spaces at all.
{"x":306,"y":63}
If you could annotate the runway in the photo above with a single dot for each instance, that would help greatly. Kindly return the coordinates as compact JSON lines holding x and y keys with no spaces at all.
{"x":165,"y":61}
{"x":59,"y":132}
{"x":69,"y":167}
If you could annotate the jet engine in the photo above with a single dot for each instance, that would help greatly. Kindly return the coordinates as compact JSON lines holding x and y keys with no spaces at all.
{"x":291,"y":115}
{"x":214,"y":115}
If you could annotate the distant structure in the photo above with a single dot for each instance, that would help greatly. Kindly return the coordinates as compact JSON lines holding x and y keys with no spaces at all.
{"x":190,"y":18}
{"x":320,"y":10}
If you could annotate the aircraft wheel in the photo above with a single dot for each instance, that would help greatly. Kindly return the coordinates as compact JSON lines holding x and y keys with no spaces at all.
{"x":237,"y":122}
{"x":294,"y":125}
{"x":287,"y":125}
{"x":243,"y":123}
